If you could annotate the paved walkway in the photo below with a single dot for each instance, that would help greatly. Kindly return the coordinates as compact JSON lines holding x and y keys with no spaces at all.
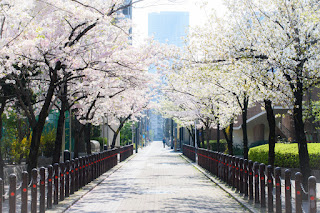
{"x":157,"y":180}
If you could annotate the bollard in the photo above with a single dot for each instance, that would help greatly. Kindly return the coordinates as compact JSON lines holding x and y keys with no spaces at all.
{"x":262,"y":186}
{"x":298,"y":182}
{"x":49,"y":187}
{"x":270,"y":188}
{"x":67,"y":179}
{"x":278,"y":189}
{"x":34,"y":175}
{"x":312,"y":194}
{"x":72,"y":182}
{"x":250,"y":170}
{"x":256,"y":182}
{"x":56,"y":183}
{"x":287,"y":176}
{"x":42,"y":190}
{"x":12,"y":193}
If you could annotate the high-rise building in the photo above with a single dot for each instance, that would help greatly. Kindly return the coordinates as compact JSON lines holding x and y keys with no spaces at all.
{"x":166,"y":27}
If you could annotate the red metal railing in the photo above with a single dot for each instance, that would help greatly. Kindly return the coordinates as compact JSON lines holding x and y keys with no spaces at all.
{"x":53,"y":184}
{"x":190,"y":152}
{"x":257,"y":182}
{"x":125,"y":152}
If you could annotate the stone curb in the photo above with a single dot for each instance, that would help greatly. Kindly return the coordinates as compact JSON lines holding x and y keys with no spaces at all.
{"x":64,"y":205}
{"x":249,"y":205}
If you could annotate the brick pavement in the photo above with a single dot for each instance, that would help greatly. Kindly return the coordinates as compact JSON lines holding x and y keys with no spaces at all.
{"x":157,"y":180}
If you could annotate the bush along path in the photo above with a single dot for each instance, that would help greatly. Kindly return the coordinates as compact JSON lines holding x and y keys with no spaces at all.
{"x":259,"y":183}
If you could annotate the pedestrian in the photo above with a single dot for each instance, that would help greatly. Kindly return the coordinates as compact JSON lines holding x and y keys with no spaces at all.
{"x":164,"y":142}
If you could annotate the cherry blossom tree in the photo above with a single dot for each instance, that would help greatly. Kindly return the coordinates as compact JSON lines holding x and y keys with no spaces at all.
{"x":45,"y":40}
{"x":285,"y":36}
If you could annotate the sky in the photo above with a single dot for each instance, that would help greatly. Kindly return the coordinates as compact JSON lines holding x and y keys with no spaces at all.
{"x":197,"y":13}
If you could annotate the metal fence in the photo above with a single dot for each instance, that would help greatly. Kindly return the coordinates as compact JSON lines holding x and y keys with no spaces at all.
{"x":259,"y":183}
{"x":49,"y":186}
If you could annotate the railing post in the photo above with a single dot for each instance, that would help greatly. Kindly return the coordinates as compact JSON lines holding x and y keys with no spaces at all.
{"x":225,"y":166}
{"x":241,"y":186}
{"x":72,"y":184}
{"x":217,"y":164}
{"x":42,"y":190}
{"x":262,"y":186}
{"x":12,"y":193}
{"x":56,"y":183}
{"x":232,"y":171}
{"x":24,"y":192}
{"x":86,"y":170}
{"x":61,"y":181}
{"x":67,"y":179}
{"x":312,"y":194}
{"x":298,"y":192}
{"x":49,"y":187}
{"x":245,"y":179}
{"x":228,"y":169}
{"x":34,"y":175}
{"x":278,"y":189}
{"x":256,"y":182}
{"x":250,"y":170}
{"x":237,"y":173}
{"x":1,"y":194}
{"x":287,"y":176}
{"x":78,"y":170}
{"x":270,"y":188}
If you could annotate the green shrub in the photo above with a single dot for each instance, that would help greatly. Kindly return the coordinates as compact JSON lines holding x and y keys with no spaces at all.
{"x":47,"y":142}
{"x":214,"y":146}
{"x":286,"y":155}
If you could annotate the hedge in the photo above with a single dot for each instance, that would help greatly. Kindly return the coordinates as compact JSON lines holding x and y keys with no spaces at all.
{"x":213,"y":145}
{"x":286,"y":155}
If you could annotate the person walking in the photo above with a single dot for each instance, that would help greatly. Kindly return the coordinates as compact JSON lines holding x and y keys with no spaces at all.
{"x":164,"y":142}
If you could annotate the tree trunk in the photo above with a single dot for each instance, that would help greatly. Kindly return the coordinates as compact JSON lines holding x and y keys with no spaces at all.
{"x":191,"y":135}
{"x":59,"y":138}
{"x":228,"y":135}
{"x":3,"y":104}
{"x":272,"y":131}
{"x":87,"y":133}
{"x":300,"y":134}
{"x":60,"y":127}
{"x":38,"y":125}
{"x":218,"y":137}
{"x":202,"y":137}
{"x":34,"y":148}
{"x":77,"y":135}
{"x":244,"y":127}
{"x":207,"y":137}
